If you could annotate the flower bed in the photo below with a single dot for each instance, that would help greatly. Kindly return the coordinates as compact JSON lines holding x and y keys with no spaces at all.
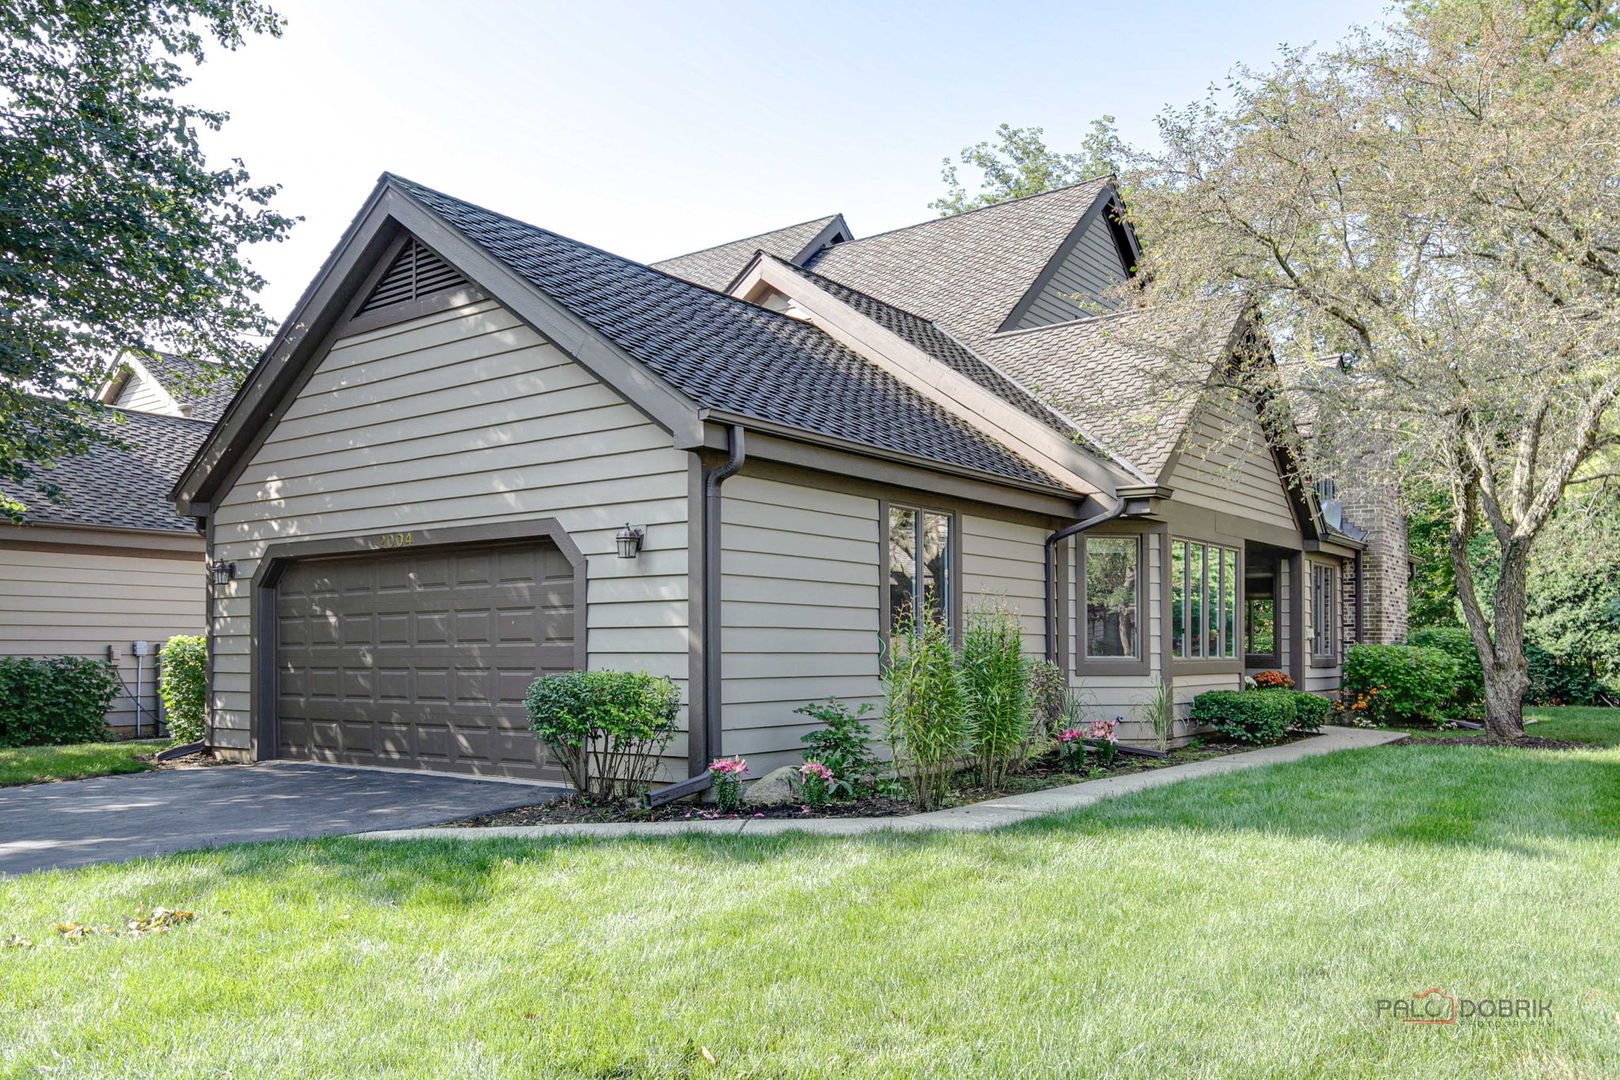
{"x":1038,"y":774}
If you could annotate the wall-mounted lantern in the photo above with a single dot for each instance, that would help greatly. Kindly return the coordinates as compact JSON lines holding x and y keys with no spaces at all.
{"x":629,"y":541}
{"x":224,"y":572}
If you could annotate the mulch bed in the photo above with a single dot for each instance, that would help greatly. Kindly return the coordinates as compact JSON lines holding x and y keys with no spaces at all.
{"x":202,"y":759}
{"x":1036,"y":775}
{"x":1528,"y":742}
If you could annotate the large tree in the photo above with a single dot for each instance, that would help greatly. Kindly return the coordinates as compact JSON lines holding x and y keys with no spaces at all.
{"x":1436,"y":208}
{"x":1019,"y":163}
{"x":115,"y":233}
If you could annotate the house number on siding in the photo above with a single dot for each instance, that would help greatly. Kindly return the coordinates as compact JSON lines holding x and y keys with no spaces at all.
{"x":395,"y":540}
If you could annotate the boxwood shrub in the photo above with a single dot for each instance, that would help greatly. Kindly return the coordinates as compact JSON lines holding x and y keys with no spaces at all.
{"x":1402,"y":685}
{"x":1311,"y":711}
{"x":183,"y":685}
{"x":60,"y":700}
{"x":1260,"y":717}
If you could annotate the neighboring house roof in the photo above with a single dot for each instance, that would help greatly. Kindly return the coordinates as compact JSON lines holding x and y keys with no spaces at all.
{"x":724,"y":353}
{"x":717,"y":267}
{"x":193,"y":387}
{"x":969,"y":271}
{"x":119,"y":486}
{"x":1104,"y":372}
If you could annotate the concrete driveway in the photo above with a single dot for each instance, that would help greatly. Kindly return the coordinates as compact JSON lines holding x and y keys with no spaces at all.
{"x":122,"y":817}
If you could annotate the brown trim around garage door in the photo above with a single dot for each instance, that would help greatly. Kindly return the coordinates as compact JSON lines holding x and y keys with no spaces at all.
{"x":277,"y":556}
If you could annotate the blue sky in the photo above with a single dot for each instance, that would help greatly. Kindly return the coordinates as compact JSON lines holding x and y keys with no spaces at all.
{"x":654,"y":129}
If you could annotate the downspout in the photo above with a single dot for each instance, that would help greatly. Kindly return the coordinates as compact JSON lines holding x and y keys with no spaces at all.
{"x":710,"y":584}
{"x":1051,"y":569}
{"x":712,"y":728}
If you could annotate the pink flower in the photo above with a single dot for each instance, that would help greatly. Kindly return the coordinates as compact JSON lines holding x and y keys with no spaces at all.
{"x":728,"y":767}
{"x":816,"y":770}
{"x":1069,"y":735}
{"x":1102,"y":729}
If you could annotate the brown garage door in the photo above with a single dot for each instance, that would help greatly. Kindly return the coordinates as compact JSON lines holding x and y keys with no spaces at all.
{"x":420,"y":659}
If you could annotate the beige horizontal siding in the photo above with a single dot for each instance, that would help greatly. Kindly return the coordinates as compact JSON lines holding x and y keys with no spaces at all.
{"x":142,"y":394}
{"x":1226,"y":465}
{"x":458,"y":418}
{"x":77,"y":603}
{"x":799,"y":611}
{"x":1002,"y":562}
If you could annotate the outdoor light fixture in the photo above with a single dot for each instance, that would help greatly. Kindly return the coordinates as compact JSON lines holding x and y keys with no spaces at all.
{"x":629,"y":540}
{"x":224,"y":572}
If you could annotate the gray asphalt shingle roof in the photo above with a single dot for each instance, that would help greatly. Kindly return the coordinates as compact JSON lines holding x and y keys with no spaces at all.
{"x":965,"y":272}
{"x":193,"y":384}
{"x":120,"y":486}
{"x":727,"y":354}
{"x":715,"y":267}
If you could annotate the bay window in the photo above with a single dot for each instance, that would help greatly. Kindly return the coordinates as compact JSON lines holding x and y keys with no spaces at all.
{"x":1203,"y":601}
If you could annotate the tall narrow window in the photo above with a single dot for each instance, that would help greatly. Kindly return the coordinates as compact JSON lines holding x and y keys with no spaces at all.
{"x":1324,"y":612}
{"x":1112,"y":572}
{"x":1260,"y":615}
{"x":1203,"y":601}
{"x":920,"y":570}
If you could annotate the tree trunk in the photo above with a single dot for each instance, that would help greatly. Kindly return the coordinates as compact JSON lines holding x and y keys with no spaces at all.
{"x":1500,"y":644}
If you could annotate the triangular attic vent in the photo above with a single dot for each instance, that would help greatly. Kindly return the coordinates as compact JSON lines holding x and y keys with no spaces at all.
{"x":415,"y":272}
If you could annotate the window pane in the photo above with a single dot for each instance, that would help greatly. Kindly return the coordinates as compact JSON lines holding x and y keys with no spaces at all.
{"x":1229,"y":592}
{"x":1259,"y":625}
{"x":902,"y":567}
{"x":1195,"y":600}
{"x":1111,"y":600}
{"x":1178,"y":598}
{"x":936,"y":548}
{"x":1212,"y":602}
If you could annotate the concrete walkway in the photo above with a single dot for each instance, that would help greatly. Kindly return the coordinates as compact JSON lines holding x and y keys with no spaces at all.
{"x":975,"y":817}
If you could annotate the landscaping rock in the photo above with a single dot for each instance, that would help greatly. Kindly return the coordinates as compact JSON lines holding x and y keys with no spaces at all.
{"x":776,"y":786}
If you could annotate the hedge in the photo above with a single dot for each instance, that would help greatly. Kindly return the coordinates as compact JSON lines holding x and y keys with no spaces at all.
{"x":1401,"y":685}
{"x":56,"y":701}
{"x":183,"y":685}
{"x":1457,"y":643}
{"x":1260,"y":717}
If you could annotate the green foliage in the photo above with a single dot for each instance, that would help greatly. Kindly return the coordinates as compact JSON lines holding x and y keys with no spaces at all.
{"x":1311,"y":711}
{"x":53,"y":702}
{"x":116,"y":234}
{"x":1402,"y":684}
{"x":1457,"y":643}
{"x":1160,"y":712}
{"x":1261,"y":717}
{"x":995,"y":683}
{"x":1046,"y":686}
{"x":183,"y":685}
{"x":927,"y":713}
{"x":1554,"y":681}
{"x":1019,"y":163}
{"x":843,"y":745}
{"x":606,"y":728}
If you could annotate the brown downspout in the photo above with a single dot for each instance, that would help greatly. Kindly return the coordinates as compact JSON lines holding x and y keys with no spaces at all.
{"x":1051,"y":569}
{"x":707,"y":740}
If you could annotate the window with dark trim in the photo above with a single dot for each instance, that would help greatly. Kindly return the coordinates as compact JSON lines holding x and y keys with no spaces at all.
{"x":1203,"y":601}
{"x":1324,"y":612}
{"x":1111,"y":597}
{"x":1260,"y":638}
{"x":921,"y":570}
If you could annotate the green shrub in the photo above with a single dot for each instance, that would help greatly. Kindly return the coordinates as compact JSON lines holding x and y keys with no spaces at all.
{"x":1311,"y":711}
{"x":1402,"y":685}
{"x":56,"y":701}
{"x":927,"y":715}
{"x":1457,"y":643}
{"x":183,"y":686}
{"x":843,"y":745}
{"x":1554,"y":681}
{"x":995,"y":684}
{"x":605,"y":728}
{"x":1261,"y":717}
{"x":1046,"y":686}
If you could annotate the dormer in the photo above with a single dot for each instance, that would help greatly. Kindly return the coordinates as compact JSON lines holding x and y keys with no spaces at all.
{"x":1077,"y":281}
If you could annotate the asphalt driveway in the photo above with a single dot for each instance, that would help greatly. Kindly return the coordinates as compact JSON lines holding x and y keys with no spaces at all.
{"x":122,"y":817}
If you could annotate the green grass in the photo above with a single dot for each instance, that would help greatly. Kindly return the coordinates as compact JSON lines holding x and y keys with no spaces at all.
{"x":32,"y":764}
{"x":1235,"y":926}
{"x":1576,"y":723}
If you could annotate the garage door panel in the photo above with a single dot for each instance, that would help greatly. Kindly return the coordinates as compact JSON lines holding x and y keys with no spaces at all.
{"x":422,"y":659}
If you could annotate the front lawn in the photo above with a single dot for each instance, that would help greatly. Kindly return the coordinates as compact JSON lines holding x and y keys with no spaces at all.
{"x":1574,"y":723}
{"x":1235,"y":926}
{"x":35,"y":764}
